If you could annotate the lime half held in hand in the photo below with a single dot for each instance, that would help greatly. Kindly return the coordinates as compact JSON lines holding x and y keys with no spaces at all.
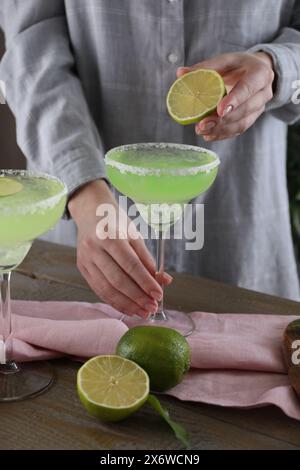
{"x":9,"y":186}
{"x":111,"y":387}
{"x":195,"y":95}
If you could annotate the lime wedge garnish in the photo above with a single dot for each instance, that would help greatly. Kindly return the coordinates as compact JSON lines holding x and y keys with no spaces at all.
{"x":111,"y":387}
{"x":195,"y":96}
{"x":9,"y":186}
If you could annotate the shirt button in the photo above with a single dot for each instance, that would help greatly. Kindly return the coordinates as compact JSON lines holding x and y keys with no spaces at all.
{"x":173,"y":58}
{"x":172,"y":1}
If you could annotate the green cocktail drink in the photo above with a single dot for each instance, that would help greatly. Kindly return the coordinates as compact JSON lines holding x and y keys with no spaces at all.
{"x":30,"y":204}
{"x":27,"y":213}
{"x":160,"y":178}
{"x":160,"y":173}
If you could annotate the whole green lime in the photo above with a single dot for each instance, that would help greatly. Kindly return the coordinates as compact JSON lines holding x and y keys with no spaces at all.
{"x":162,"y":352}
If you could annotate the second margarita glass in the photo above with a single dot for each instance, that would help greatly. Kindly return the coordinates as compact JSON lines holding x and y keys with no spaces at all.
{"x":159,"y":177}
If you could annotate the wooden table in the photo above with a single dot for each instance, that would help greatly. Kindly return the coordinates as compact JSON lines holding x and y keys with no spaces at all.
{"x":57,"y":420}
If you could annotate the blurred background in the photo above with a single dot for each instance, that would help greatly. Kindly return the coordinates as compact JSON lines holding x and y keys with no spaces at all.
{"x":293,"y":176}
{"x":12,"y":157}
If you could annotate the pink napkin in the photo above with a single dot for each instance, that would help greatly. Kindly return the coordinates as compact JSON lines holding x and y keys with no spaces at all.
{"x":237,"y":359}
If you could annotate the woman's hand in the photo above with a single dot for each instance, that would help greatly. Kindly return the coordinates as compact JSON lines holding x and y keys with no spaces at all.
{"x":120,"y":271}
{"x":249,"y":79}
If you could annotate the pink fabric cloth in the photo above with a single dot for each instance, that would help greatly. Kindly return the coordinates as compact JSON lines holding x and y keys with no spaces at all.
{"x":237,"y":359}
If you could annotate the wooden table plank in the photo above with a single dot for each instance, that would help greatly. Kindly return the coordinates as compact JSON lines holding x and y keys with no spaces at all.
{"x":56,"y":420}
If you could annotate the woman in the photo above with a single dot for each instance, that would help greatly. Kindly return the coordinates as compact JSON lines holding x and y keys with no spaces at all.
{"x":87,"y":75}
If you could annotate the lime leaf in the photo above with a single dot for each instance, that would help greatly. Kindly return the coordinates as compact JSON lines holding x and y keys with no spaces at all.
{"x":179,"y":431}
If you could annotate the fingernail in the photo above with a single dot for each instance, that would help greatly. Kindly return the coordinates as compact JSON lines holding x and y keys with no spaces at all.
{"x":167,"y":277}
{"x":208,"y":125}
{"x":143,"y":314}
{"x":208,"y":138}
{"x":227,"y":110}
{"x":150,"y":308}
{"x":182,"y":69}
{"x":156,"y":294}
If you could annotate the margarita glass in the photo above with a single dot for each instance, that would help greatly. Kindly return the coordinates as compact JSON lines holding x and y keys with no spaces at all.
{"x":160,"y":178}
{"x":30,"y":204}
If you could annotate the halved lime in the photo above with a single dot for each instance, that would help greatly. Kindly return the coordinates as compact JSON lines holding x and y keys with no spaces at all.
{"x":9,"y":186}
{"x":111,"y":387}
{"x":195,"y":96}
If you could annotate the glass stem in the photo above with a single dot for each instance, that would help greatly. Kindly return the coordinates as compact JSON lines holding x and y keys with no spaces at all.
{"x":160,"y":265}
{"x":6,"y":363}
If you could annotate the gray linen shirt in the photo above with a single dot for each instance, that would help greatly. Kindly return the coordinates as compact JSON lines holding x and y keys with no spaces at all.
{"x":83,"y":76}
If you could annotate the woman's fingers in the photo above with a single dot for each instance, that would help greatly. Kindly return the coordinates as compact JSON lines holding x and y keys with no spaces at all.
{"x":235,"y":128}
{"x":125,"y":256}
{"x":249,"y":80}
{"x":257,"y":102}
{"x":221,"y":64}
{"x":122,"y":282}
{"x":254,"y":79}
{"x":143,"y":253}
{"x":120,"y":273}
{"x":163,"y":278}
{"x":106,"y":292}
{"x":207,"y":125}
{"x":216,"y":125}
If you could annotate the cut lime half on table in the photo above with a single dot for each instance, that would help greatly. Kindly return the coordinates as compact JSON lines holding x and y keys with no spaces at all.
{"x":111,"y":387}
{"x":9,"y":186}
{"x":195,"y":95}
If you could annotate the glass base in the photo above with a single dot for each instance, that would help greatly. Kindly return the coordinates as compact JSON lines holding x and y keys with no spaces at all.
{"x":179,"y":321}
{"x":25,"y":380}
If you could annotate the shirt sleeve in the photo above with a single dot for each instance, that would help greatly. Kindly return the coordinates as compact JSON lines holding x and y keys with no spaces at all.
{"x":55,"y":129}
{"x":285,"y":53}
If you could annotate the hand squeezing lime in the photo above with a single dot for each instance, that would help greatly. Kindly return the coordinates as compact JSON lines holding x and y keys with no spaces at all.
{"x":195,"y":95}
